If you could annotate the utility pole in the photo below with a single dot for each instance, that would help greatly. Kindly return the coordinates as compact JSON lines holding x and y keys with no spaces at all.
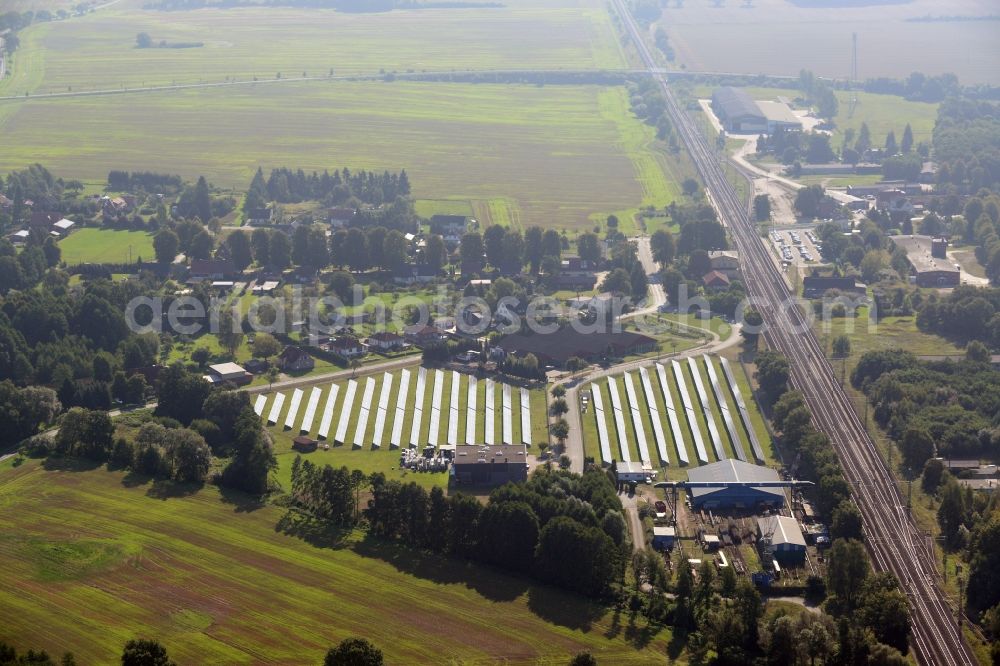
{"x":909,"y":489}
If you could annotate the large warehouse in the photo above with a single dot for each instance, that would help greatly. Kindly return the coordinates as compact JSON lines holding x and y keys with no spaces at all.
{"x":737,"y":112}
{"x":734,"y":497}
{"x":929,"y":261}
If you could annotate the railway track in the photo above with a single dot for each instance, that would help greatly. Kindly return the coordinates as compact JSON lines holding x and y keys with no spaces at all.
{"x":893,"y":540}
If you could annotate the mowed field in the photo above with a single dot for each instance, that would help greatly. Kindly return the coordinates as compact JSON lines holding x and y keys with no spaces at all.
{"x":557,"y":156}
{"x":97,"y":246}
{"x":98,"y":51}
{"x":385,"y":459}
{"x":625,"y":445}
{"x":92,"y":558}
{"x":779,"y":38}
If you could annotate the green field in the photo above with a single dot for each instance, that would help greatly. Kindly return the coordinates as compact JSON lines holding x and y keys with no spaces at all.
{"x":92,"y":558}
{"x":780,"y":38}
{"x":95,"y":246}
{"x":554,"y":155}
{"x":99,"y":51}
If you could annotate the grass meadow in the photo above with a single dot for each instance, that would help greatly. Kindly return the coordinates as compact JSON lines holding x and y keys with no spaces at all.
{"x":779,"y":38}
{"x":93,"y":558}
{"x":558,"y":156}
{"x":98,"y":51}
{"x":96,"y":246}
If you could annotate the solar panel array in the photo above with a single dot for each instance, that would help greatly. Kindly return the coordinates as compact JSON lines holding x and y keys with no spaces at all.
{"x":275,"y":412}
{"x":616,"y":404}
{"x":258,"y":406}
{"x":640,"y":431}
{"x":654,"y":413}
{"x":395,"y":439}
{"x":675,"y":425}
{"x":525,"y":417}
{"x":456,"y":385}
{"x":602,"y":424}
{"x":324,"y":423}
{"x":720,"y":399}
{"x":293,"y":409}
{"x":470,"y":414}
{"x":345,"y":413}
{"x":435,"y":425}
{"x":699,"y":445}
{"x":366,"y":407}
{"x":490,"y":416}
{"x":310,"y":415}
{"x":418,"y":407}
{"x":706,"y":409}
{"x":383,"y":407}
{"x":508,"y":418}
{"x":758,"y":451}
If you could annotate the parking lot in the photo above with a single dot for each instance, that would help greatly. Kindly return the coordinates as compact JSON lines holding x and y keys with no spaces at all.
{"x":796,"y":246}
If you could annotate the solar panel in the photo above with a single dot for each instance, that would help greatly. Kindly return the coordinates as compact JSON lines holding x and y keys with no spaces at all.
{"x":490,"y":420}
{"x":640,"y":431}
{"x":279,"y":400}
{"x":456,"y":385}
{"x":741,"y":406}
{"x":470,"y":417}
{"x":654,"y":415}
{"x":324,"y":424}
{"x":675,"y":426}
{"x":345,"y":413}
{"x":310,"y":416}
{"x":525,"y":417}
{"x":366,"y":405}
{"x":508,"y":417}
{"x":727,"y":417}
{"x":396,"y":437}
{"x":293,"y":409}
{"x":435,"y":425}
{"x":418,"y":407}
{"x":706,"y":409}
{"x":699,"y":445}
{"x":258,"y":406}
{"x":602,"y":425}
{"x":616,"y":404}
{"x":383,"y":406}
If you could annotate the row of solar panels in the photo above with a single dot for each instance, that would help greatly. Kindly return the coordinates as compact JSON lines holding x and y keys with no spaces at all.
{"x":382,"y":410}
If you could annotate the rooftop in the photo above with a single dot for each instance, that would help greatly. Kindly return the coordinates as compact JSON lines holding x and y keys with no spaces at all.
{"x":225,"y":369}
{"x":735,"y":102}
{"x":778,"y":112}
{"x":783,"y":529}
{"x":481,"y":453}
{"x":918,"y":251}
{"x":732,"y":470}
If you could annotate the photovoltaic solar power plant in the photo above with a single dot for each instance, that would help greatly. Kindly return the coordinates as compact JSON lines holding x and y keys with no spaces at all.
{"x":293,"y":409}
{"x":616,"y":404}
{"x":456,"y":384}
{"x":602,"y":425}
{"x":310,"y":416}
{"x":508,"y":416}
{"x":324,"y":424}
{"x":654,"y":413}
{"x":758,"y":451}
{"x":640,"y":432}
{"x":418,"y":407}
{"x":525,"y":417}
{"x":258,"y":405}
{"x":727,"y":417}
{"x":366,"y":408}
{"x":490,"y":420}
{"x":699,"y":445}
{"x":435,"y":425}
{"x":383,"y":409}
{"x":395,"y":438}
{"x":470,"y":417}
{"x":706,"y":409}
{"x":345,"y":412}
{"x":279,"y":400}
{"x":675,"y":426}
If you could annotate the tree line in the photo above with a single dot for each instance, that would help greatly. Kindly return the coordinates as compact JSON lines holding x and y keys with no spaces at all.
{"x":284,"y":185}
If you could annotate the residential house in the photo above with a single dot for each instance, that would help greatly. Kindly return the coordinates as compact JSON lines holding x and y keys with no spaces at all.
{"x":600,"y":305}
{"x":414,"y":274}
{"x":211,"y":269}
{"x":259,"y":216}
{"x":63,"y":227}
{"x":295,"y":359}
{"x":449,"y":227}
{"x":726,"y":262}
{"x":715,"y":281}
{"x":341,"y":217}
{"x":346,"y":347}
{"x":422,"y":335}
{"x":386,"y":341}
{"x":20,"y":237}
{"x":256,"y":365}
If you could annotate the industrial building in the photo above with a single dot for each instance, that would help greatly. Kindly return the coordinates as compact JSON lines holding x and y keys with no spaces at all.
{"x":788,"y":546}
{"x":480,"y":465}
{"x":734,"y":497}
{"x":928,"y":258}
{"x":663,"y":537}
{"x":739,"y":113}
